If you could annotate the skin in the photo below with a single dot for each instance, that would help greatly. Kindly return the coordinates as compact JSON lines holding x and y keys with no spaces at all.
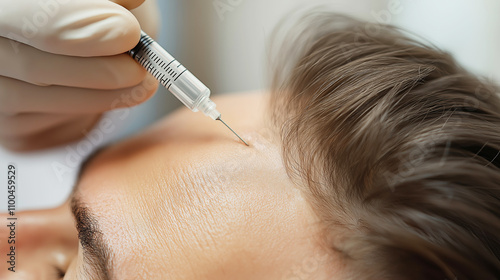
{"x":185,"y":200}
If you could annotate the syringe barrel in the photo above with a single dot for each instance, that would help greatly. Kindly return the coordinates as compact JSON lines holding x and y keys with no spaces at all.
{"x":169,"y":72}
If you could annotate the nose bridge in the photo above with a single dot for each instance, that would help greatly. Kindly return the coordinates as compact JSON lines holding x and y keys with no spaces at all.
{"x":44,"y":230}
{"x":38,"y":241}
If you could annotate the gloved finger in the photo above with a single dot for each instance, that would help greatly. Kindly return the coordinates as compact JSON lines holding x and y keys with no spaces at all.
{"x":129,"y":4}
{"x":41,"y":68}
{"x":23,"y":125}
{"x":58,"y":135}
{"x":19,"y":97}
{"x":76,"y":28}
{"x":148,"y":16}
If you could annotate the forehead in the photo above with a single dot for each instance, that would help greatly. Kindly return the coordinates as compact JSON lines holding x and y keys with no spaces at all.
{"x":170,"y":194}
{"x":187,"y":186}
{"x":147,"y":167}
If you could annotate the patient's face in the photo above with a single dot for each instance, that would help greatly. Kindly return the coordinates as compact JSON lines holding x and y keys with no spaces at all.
{"x":183,"y":200}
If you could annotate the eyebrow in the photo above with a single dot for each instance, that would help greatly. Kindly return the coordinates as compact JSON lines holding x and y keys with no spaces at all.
{"x":96,"y":253}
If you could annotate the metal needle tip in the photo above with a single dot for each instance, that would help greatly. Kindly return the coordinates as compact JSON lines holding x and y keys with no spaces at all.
{"x":232,"y":131}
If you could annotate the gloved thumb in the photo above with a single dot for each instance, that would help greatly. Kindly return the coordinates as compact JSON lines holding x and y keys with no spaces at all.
{"x":70,"y":27}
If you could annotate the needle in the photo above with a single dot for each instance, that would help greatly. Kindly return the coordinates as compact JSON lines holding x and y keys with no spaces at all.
{"x":232,"y":130}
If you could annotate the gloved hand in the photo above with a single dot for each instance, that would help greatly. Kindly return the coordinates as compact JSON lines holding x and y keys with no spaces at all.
{"x":62,"y":64}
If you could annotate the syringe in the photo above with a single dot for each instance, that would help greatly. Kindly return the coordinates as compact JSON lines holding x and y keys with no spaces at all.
{"x":176,"y":78}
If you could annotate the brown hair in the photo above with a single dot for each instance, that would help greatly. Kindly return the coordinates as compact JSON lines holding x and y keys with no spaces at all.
{"x":397,"y":146}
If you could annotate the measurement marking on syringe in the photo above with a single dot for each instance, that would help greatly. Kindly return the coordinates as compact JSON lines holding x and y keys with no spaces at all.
{"x":180,"y":75}
{"x":171,"y":62}
{"x":154,"y":72}
{"x":146,"y":41}
{"x":160,"y":77}
{"x":164,"y":81}
{"x":152,"y":56}
{"x":156,"y":58}
{"x":143,"y":60}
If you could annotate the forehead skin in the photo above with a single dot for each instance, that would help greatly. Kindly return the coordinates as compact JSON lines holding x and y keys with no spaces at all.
{"x":186,"y":200}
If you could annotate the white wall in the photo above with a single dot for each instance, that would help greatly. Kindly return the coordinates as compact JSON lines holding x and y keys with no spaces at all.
{"x":226,"y":49}
{"x":469,"y":29}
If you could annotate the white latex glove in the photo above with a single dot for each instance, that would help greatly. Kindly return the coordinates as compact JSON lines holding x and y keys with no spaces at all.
{"x":62,"y":64}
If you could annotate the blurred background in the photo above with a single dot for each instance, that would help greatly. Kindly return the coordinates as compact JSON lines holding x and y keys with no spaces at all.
{"x":223,"y":42}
